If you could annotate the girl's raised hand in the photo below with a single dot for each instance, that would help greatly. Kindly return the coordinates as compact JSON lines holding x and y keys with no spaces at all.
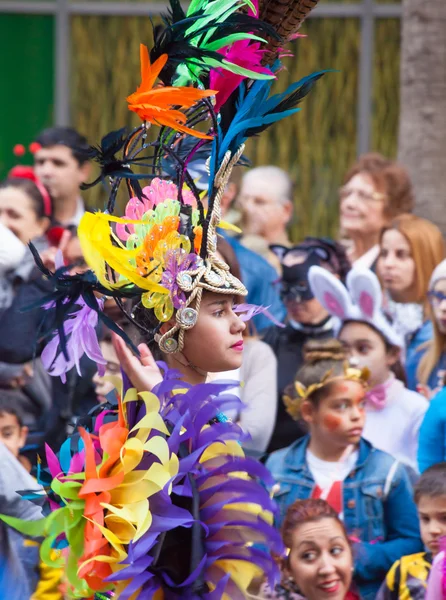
{"x":143,"y":372}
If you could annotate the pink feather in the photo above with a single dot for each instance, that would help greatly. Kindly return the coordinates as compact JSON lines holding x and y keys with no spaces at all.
{"x":243,"y":54}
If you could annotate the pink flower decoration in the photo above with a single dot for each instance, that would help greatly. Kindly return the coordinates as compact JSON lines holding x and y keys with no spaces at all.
{"x":157,"y":192}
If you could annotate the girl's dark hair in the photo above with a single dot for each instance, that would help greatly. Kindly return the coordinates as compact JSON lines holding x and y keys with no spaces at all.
{"x":30,"y":189}
{"x":397,"y":368}
{"x":145,"y":317}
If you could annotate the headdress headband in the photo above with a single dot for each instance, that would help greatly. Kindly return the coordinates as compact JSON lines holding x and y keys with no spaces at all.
{"x":293,"y":405}
{"x":215,"y":70}
{"x":359,"y":300}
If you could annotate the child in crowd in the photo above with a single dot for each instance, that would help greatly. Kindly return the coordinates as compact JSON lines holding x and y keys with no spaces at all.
{"x":407,"y":579}
{"x":394,"y":413}
{"x":426,"y":368}
{"x":368,"y":488}
{"x":22,"y":575}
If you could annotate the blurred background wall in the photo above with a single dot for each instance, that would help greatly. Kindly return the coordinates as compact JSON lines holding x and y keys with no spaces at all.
{"x":74,"y":63}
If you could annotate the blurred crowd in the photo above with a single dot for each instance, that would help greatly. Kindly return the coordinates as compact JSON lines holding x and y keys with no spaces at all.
{"x":356,"y":515}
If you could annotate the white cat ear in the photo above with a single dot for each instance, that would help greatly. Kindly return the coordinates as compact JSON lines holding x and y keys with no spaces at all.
{"x":330,"y":292}
{"x":365,"y":291}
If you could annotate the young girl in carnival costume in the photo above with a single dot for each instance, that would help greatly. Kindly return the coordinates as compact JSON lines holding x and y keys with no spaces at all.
{"x":393,"y":413}
{"x":153,"y":497}
{"x":368,"y":488}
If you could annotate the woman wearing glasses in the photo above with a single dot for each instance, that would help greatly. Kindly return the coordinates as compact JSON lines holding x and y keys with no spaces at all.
{"x":431,"y":372}
{"x":375,"y":190}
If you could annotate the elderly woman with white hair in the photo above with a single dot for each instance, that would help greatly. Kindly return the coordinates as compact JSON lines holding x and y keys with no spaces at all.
{"x":266,"y":203}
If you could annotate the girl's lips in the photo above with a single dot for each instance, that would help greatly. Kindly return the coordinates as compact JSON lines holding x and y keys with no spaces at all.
{"x":355,"y":431}
{"x":330,"y":587}
{"x":238,"y":346}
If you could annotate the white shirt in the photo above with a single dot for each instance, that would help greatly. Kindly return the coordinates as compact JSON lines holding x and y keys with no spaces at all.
{"x":258,"y":392}
{"x":80,"y":211}
{"x":366,"y":260}
{"x":325,"y":472}
{"x":395,"y":428}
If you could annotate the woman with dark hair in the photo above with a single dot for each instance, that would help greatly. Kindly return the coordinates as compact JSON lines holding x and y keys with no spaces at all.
{"x":319,"y":562}
{"x":25,"y":216}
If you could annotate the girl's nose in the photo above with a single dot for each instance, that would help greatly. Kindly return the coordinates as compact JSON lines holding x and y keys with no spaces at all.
{"x":326,"y":566}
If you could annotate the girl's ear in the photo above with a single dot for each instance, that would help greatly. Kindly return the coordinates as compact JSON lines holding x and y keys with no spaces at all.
{"x":167,"y":325}
{"x":307,"y":411}
{"x":393,"y":355}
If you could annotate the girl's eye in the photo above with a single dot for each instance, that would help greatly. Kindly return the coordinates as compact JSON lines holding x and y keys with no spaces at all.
{"x":337,"y":550}
{"x":309,"y":556}
{"x":342,"y":406}
{"x":219,"y":313}
{"x":363,"y":349}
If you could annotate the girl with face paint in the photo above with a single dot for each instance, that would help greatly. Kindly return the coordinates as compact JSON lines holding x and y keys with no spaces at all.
{"x":394,"y":413}
{"x":368,"y":488}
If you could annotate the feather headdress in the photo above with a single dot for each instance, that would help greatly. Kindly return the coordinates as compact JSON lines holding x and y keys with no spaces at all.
{"x":154,"y":497}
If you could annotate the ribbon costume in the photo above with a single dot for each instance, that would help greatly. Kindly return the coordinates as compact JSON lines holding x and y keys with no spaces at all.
{"x":154,"y":497}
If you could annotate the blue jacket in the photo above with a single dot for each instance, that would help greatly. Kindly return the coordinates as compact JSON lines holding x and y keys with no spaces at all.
{"x":414,"y":354}
{"x":432,"y":441}
{"x":259,"y":277}
{"x":378,"y":507}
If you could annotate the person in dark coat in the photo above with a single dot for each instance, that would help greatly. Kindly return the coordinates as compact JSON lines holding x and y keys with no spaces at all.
{"x":306,"y":320}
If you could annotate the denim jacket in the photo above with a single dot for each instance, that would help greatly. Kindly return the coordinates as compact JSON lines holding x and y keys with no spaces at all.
{"x":378,"y":507}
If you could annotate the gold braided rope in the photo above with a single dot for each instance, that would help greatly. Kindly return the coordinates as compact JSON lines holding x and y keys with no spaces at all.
{"x":213,"y":266}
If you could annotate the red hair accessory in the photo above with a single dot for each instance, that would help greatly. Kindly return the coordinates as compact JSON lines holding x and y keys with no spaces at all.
{"x":34,"y":147}
{"x":19,"y":150}
{"x":24,"y":172}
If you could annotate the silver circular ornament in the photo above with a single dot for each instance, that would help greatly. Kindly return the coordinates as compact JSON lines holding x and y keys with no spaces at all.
{"x":170,"y":345}
{"x":185,"y":281}
{"x":187,"y":317}
{"x":214,"y":278}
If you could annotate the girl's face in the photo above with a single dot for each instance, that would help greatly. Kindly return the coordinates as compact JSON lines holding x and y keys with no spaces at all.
{"x":215,"y":343}
{"x":17,"y":214}
{"x":361,"y":207}
{"x":396,"y":267}
{"x":338,"y":418}
{"x":101,"y":385}
{"x":320,"y":560}
{"x":438,"y":301}
{"x":368,"y":348}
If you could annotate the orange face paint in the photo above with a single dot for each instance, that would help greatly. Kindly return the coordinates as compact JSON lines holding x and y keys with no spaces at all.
{"x":332,"y":422}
